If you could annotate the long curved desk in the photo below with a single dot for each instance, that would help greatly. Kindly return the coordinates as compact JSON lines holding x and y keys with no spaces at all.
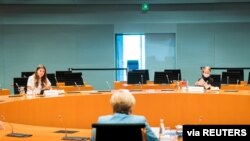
{"x":80,"y":110}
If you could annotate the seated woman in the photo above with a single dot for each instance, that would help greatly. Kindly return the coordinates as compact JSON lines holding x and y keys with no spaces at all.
{"x":206,"y":80}
{"x":123,"y":103}
{"x":38,"y":81}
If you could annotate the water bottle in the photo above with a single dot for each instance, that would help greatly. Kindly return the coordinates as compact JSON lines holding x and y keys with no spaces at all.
{"x":162,"y":129}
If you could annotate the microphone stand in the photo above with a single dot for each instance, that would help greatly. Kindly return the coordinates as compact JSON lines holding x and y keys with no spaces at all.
{"x":12,"y":133}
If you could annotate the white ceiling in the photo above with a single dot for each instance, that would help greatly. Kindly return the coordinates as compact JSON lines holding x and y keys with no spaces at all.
{"x":117,"y":1}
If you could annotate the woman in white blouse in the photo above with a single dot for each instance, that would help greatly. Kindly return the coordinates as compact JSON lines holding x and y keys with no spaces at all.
{"x":38,"y":81}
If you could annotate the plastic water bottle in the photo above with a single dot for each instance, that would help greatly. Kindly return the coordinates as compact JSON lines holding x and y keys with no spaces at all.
{"x":162,"y":129}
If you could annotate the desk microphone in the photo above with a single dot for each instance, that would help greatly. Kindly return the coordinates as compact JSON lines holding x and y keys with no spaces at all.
{"x":167,"y":79}
{"x":24,"y":76}
{"x":66,"y":137}
{"x":178,"y":76}
{"x":108,"y":85}
{"x":12,"y":133}
{"x":56,"y":81}
{"x":18,"y":88}
{"x":77,"y":86}
{"x":140,"y":84}
{"x":227,"y":79}
{"x":141,"y":78}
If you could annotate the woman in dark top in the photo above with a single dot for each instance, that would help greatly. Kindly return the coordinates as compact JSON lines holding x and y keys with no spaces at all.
{"x":206,"y":80}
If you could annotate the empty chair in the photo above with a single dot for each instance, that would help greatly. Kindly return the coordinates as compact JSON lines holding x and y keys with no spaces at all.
{"x":161,"y":78}
{"x":216,"y":80}
{"x":27,"y":74}
{"x":173,"y":74}
{"x":144,"y":73}
{"x":73,"y":79}
{"x":119,"y":131}
{"x":241,"y":71}
{"x":60,"y":75}
{"x":135,"y":77}
{"x":52,"y":79}
{"x":19,"y":82}
{"x":231,"y":77}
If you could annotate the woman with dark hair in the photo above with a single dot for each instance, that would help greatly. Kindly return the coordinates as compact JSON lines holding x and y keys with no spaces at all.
{"x":38,"y":81}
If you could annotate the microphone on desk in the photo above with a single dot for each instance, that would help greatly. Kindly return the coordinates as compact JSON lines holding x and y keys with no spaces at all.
{"x":227,"y":79}
{"x":77,"y":86}
{"x":66,"y":131}
{"x":140,"y":84}
{"x":18,"y":88}
{"x":141,"y":79}
{"x":108,"y":85}
{"x":24,"y":76}
{"x":178,"y":76}
{"x":167,"y":79}
{"x":12,"y":133}
{"x":56,"y":81}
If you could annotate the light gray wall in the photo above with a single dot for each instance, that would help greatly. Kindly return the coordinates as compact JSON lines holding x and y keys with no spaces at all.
{"x":58,"y":47}
{"x":83,"y":36}
{"x":217,"y":45}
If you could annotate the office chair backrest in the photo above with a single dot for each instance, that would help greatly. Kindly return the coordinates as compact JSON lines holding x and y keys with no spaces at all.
{"x":21,"y":82}
{"x":27,"y":74}
{"x":73,"y":79}
{"x":240,"y":71}
{"x":60,"y":75}
{"x":216,"y":80}
{"x":173,"y":74}
{"x":119,"y":131}
{"x":161,"y":78}
{"x":52,"y":79}
{"x":231,"y":77}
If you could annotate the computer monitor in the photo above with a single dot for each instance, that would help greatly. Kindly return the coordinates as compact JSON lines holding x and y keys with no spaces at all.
{"x":19,"y":82}
{"x":161,"y":78}
{"x":173,"y":74}
{"x":145,"y":73}
{"x":241,"y":71}
{"x":27,"y":74}
{"x":135,"y":77}
{"x":60,"y":75}
{"x":73,"y":79}
{"x":231,"y":77}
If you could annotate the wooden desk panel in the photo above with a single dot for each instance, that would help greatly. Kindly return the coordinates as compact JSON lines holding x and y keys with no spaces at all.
{"x":124,"y":85}
{"x":74,"y":88}
{"x":235,"y":87}
{"x":81,"y":110}
{"x":4,"y":92}
{"x":39,"y":133}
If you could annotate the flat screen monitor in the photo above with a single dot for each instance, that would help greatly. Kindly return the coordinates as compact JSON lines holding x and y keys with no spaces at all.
{"x":161,"y":78}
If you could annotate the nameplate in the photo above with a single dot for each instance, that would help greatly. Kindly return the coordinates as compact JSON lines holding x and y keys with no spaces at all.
{"x":51,"y":93}
{"x":195,"y":89}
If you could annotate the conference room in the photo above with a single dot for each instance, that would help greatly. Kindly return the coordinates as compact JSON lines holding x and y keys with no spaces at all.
{"x":153,"y":49}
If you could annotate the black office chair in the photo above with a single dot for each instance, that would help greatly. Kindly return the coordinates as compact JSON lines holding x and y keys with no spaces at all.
{"x":27,"y":74}
{"x":52,"y":78}
{"x":240,"y":71}
{"x":72,"y":79}
{"x":19,"y":82}
{"x":231,"y":78}
{"x":216,"y":80}
{"x":120,"y":131}
{"x":173,"y":74}
{"x":161,"y":78}
{"x":60,"y":75}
